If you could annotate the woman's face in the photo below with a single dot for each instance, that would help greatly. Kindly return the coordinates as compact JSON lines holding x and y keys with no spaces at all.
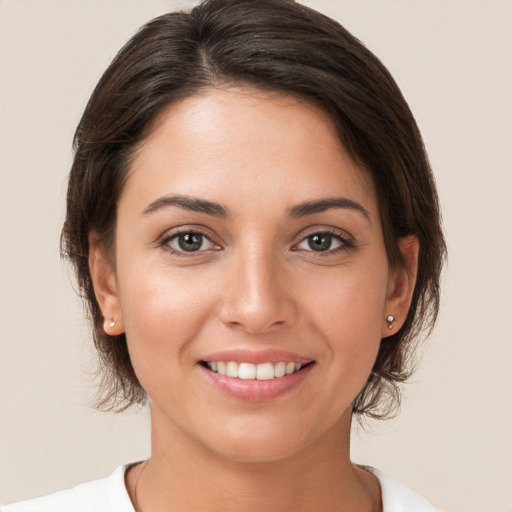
{"x":249,"y":241}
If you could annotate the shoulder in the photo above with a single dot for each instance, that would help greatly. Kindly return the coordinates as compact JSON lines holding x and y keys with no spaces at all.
{"x":396,"y":497}
{"x":107,"y":494}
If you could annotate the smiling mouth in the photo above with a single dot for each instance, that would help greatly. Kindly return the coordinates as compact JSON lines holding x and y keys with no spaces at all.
{"x":249,"y":371}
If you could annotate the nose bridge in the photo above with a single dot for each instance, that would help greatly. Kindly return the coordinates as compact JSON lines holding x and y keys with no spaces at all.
{"x":256,"y":300}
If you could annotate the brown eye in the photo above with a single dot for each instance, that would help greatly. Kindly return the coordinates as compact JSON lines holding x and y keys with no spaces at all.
{"x":321,"y":242}
{"x":190,"y":242}
{"x":326,"y":243}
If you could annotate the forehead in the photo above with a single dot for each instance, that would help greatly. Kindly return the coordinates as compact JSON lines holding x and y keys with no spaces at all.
{"x":222,"y":140}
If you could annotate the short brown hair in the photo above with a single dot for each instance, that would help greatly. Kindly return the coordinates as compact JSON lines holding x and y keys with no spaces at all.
{"x":273,"y":45}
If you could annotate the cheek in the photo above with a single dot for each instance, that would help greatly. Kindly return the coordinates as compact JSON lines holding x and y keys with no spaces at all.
{"x":351,"y":301}
{"x":348,"y":315}
{"x":163,"y":310}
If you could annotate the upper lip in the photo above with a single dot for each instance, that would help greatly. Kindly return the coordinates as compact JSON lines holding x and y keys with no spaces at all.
{"x":257,"y":356}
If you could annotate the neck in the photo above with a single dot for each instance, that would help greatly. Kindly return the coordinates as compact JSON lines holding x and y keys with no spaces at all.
{"x":182,"y":474}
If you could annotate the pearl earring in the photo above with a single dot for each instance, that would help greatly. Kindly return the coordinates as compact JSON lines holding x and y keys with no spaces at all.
{"x":112,"y":321}
{"x":390,"y":319}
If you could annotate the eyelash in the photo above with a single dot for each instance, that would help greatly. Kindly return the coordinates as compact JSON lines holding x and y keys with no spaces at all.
{"x":166,"y":240}
{"x":345,"y":243}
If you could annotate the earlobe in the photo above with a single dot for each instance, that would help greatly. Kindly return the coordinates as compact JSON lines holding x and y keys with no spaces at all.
{"x":105,"y":287}
{"x":401,"y":286}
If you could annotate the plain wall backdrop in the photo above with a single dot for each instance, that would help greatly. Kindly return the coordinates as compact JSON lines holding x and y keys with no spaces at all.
{"x":453,"y":61}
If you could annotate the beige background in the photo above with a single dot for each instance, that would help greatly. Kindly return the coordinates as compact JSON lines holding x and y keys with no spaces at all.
{"x":452,"y":58}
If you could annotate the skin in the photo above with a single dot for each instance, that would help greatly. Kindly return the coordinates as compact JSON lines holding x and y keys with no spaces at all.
{"x":254,"y":284}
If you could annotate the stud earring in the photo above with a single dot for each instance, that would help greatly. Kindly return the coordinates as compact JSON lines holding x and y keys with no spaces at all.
{"x":390,"y":319}
{"x":112,"y":321}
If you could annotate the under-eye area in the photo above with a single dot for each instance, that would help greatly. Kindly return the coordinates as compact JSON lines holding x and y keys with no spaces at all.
{"x":250,"y":371}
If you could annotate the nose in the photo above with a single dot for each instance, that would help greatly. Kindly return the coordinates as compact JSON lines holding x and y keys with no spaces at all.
{"x":258,"y":296}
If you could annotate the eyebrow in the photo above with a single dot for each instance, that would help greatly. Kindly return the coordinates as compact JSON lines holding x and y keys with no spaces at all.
{"x":196,"y":204}
{"x":189,"y":203}
{"x":322,"y":205}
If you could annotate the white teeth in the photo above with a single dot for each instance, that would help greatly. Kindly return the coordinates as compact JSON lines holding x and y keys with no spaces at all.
{"x":265,"y":371}
{"x":280,"y":370}
{"x":221,"y":368}
{"x":232,"y":369}
{"x":290,"y":368}
{"x":249,"y":371}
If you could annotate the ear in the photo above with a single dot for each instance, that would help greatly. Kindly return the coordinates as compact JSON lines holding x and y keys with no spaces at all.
{"x":105,"y":286}
{"x":401,"y":286}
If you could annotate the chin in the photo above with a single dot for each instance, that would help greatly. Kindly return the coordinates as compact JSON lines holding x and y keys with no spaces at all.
{"x":258,"y":452}
{"x":258,"y":443}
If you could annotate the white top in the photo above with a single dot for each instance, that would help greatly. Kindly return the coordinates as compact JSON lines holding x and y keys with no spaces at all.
{"x":110,"y":495}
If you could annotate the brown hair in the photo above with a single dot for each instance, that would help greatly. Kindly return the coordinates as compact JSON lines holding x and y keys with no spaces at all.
{"x":270,"y":44}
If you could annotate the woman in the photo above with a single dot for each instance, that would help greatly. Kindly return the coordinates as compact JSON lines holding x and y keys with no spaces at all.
{"x":255,"y":229}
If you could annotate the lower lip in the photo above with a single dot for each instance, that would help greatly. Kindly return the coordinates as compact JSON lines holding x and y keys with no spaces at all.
{"x":256,"y":390}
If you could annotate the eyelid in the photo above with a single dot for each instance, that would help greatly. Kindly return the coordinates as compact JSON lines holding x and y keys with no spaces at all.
{"x":331,"y":230}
